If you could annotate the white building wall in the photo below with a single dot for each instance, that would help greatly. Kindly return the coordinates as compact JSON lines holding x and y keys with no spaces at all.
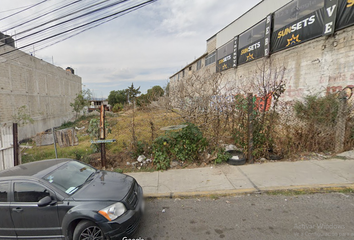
{"x":247,"y":20}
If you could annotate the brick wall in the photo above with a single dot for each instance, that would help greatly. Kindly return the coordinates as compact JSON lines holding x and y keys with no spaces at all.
{"x":45,"y":90}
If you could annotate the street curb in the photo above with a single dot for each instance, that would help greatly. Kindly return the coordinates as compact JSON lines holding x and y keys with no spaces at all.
{"x":317,"y":188}
{"x":200,"y":194}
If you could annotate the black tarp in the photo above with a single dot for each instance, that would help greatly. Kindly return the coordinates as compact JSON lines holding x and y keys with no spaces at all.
{"x":345,"y":15}
{"x":251,"y":43}
{"x":224,"y":56}
{"x":302,"y":30}
{"x":253,"y":51}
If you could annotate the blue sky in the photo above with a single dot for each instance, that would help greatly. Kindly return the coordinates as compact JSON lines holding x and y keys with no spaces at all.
{"x":144,"y":47}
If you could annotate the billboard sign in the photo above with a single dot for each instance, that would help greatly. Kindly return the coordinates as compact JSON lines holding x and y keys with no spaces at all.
{"x":224,"y":56}
{"x":267,"y":35}
{"x":251,"y":43}
{"x":329,"y":17}
{"x":304,"y":29}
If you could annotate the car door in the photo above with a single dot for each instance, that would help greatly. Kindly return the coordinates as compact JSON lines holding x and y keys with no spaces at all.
{"x":7,"y":229}
{"x":28,"y":218}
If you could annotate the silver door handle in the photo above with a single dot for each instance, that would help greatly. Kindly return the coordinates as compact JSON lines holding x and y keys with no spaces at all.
{"x":18,"y":209}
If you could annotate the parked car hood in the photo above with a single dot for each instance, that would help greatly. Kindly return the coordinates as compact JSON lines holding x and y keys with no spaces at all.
{"x":105,"y":186}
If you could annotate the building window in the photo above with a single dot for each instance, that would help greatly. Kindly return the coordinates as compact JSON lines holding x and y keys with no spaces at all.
{"x":210,"y":59}
{"x":199,"y":64}
{"x":190,"y":68}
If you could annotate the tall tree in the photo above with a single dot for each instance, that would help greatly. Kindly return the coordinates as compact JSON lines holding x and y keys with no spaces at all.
{"x":133,"y":92}
{"x":81,"y":100}
{"x":155,"y":92}
{"x":119,"y":96}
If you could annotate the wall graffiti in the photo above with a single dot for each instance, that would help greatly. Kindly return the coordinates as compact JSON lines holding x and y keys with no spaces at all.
{"x":335,"y":89}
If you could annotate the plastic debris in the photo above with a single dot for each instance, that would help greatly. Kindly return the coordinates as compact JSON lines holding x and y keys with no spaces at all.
{"x":141,"y":158}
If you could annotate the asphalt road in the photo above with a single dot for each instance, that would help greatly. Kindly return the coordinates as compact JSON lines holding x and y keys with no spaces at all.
{"x":257,"y":217}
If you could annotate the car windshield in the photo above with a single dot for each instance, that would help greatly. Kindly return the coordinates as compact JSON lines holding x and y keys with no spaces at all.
{"x":71,"y":176}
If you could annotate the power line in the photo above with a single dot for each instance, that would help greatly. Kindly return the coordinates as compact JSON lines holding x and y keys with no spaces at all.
{"x":32,"y":6}
{"x":55,"y":37}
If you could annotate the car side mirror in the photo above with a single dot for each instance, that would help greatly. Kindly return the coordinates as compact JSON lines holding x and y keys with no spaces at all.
{"x":45,"y":201}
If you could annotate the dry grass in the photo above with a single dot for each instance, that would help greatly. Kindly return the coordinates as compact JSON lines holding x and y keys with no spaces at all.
{"x":145,"y":124}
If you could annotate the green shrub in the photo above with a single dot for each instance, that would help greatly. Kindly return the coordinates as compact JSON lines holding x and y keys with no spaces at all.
{"x":222,"y":156}
{"x":319,"y":110}
{"x":187,"y":143}
{"x":117,"y":107}
{"x":140,"y":148}
{"x":182,"y":145}
{"x":162,"y":153}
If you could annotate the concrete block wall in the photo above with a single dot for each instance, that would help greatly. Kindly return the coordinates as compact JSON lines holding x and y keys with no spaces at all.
{"x":46,"y":91}
{"x":211,"y":44}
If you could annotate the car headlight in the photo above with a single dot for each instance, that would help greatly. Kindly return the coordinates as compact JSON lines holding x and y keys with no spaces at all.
{"x":114,"y":211}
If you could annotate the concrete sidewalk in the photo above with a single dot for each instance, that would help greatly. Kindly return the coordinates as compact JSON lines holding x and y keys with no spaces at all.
{"x":228,"y":179}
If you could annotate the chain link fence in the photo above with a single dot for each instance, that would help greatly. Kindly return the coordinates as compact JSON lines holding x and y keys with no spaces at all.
{"x":266,"y":127}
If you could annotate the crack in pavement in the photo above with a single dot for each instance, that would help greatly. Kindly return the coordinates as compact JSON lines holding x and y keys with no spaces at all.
{"x":253,"y":184}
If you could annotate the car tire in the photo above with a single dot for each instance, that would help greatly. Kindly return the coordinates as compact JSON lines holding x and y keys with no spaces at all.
{"x":237,"y":157}
{"x":88,"y":230}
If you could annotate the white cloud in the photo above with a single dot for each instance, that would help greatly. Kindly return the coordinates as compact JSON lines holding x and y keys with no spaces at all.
{"x":146,"y":46}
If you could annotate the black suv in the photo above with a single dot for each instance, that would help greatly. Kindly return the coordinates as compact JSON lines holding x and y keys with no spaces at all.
{"x":67,"y":199}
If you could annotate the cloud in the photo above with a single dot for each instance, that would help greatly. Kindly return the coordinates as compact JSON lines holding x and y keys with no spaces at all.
{"x":146,"y":46}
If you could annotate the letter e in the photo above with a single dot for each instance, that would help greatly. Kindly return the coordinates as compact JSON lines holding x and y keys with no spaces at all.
{"x":328,"y":28}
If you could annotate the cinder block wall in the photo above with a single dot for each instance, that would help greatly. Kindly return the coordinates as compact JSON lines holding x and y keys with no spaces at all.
{"x":45,"y":90}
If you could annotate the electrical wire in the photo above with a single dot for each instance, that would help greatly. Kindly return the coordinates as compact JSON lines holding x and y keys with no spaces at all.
{"x":73,"y":22}
{"x":23,"y":10}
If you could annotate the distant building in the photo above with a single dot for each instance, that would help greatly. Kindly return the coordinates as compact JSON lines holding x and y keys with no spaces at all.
{"x":96,"y":104}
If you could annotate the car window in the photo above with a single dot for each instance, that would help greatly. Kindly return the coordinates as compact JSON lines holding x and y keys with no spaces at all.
{"x":70,"y":177}
{"x":29,"y":192}
{"x":4,"y":188}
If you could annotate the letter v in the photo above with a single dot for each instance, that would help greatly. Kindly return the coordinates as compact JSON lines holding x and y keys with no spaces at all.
{"x":330,"y":10}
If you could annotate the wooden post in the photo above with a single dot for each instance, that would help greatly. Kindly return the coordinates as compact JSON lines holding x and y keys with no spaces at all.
{"x":15,"y":143}
{"x":250,"y":128}
{"x":102,"y":137}
{"x":55,"y":143}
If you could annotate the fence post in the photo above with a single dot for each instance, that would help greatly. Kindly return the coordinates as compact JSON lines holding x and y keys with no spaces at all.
{"x":250,"y":128}
{"x":341,"y":122}
{"x":55,"y":143}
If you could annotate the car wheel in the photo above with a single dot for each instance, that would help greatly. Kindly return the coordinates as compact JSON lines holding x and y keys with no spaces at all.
{"x":87,"y":230}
